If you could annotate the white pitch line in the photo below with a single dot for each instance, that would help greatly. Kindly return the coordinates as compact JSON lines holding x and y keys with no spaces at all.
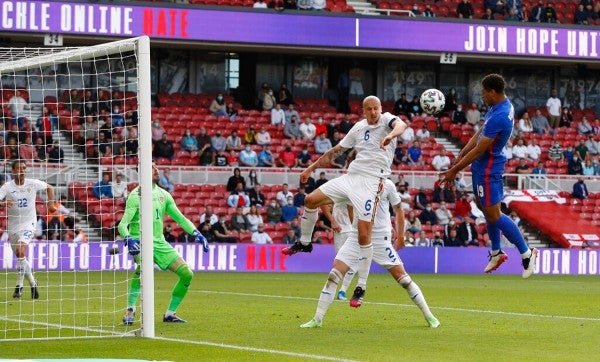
{"x":255,"y":349}
{"x":483,"y":311}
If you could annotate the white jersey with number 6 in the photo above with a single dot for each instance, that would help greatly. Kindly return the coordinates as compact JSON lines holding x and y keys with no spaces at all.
{"x":21,"y":211}
{"x":365,"y":139}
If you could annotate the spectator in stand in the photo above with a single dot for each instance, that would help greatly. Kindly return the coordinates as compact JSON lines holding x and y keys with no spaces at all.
{"x":473,"y":115}
{"x":55,"y":153}
{"x":465,"y":10}
{"x":575,"y":167}
{"x":581,"y":150}
{"x":287,"y":157}
{"x":260,"y":4}
{"x":460,"y":182}
{"x":488,"y":14}
{"x":157,"y":130}
{"x":17,"y":105}
{"x":332,"y":130}
{"x":208,"y":216}
{"x":467,"y":232}
{"x":103,"y":189}
{"x":232,"y":113}
{"x":555,"y":152}
{"x":451,"y":100}
{"x":441,"y":162}
{"x":239,"y":222}
{"x":207,"y":157}
{"x":441,"y":193}
{"x":217,"y":106}
{"x":263,"y":137}
{"x":269,"y":100}
{"x":568,"y":153}
{"x":167,"y":233}
{"x":250,"y":136}
{"x":412,"y":223}
{"x":537,"y":13}
{"x":44,"y":125}
{"x":428,"y":216}
{"x":580,"y":190}
{"x":523,"y":168}
{"x":437,"y":240}
{"x":401,"y":106}
{"x":408,"y":136}
{"x":496,"y":6}
{"x":520,"y":149}
{"x":399,"y":155}
{"x":452,"y":239}
{"x":584,"y":127}
{"x":119,"y":187}
{"x":291,"y":129}
{"x":254,"y":218}
{"x":405,"y":198}
{"x":525,"y":125}
{"x":512,"y":15}
{"x":596,"y":127}
{"x":248,"y":157}
{"x":274,"y":212}
{"x":533,"y":150}
{"x":415,"y":10}
{"x":596,"y":165}
{"x":300,"y":196}
{"x":539,"y":170}
{"x":588,"y":168}
{"x":582,"y":15}
{"x":423,"y":134}
{"x":222,"y":232}
{"x":307,"y":130}
{"x":462,"y":207}
{"x":278,"y":116}
{"x":233,"y":141}
{"x":260,"y":237}
{"x":592,"y":145}
{"x":238,"y":197}
{"x":27,"y":150}
{"x":40,"y":150}
{"x":289,"y":112}
{"x":423,"y":240}
{"x":421,"y":199}
{"x":257,"y":198}
{"x":284,"y":95}
{"x":118,"y":120}
{"x":428,"y":13}
{"x":415,"y":107}
{"x":540,"y":123}
{"x":163,"y":148}
{"x":322,"y":144}
{"x":554,"y":107}
{"x":289,"y":211}
{"x":321,"y":180}
{"x":414,"y":154}
{"x":459,"y":116}
{"x":166,"y":182}
{"x":303,"y":159}
{"x":566,"y":118}
{"x":345,"y":125}
{"x":549,"y":15}
{"x":320,"y":127}
{"x":266,"y":158}
{"x":283,"y":195}
{"x":235,"y":179}
{"x":290,"y":237}
{"x":443,"y":214}
{"x":188,"y":142}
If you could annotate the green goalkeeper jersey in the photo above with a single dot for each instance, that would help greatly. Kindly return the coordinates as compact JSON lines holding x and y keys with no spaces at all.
{"x":162,"y":202}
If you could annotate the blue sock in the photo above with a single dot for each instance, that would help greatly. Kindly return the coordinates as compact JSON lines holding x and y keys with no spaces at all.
{"x":512,"y":233}
{"x":494,"y":234}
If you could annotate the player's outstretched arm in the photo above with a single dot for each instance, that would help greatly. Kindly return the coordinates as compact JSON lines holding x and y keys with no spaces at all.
{"x":50,"y":202}
{"x":399,"y":242}
{"x":132,"y":208}
{"x":399,"y":126}
{"x":469,"y":146}
{"x":483,"y":144}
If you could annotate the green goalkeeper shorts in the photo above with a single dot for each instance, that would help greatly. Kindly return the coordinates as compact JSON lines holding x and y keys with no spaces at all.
{"x":164,"y":254}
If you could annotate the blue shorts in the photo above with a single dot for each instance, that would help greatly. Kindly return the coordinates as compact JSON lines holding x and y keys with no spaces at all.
{"x":488,"y":187}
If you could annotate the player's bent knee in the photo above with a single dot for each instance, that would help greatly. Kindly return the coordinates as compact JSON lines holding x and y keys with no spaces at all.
{"x":334,"y":276}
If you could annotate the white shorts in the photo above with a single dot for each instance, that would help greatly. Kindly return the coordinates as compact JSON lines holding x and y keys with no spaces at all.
{"x":384,"y":253}
{"x":20,"y":237}
{"x":361,"y":191}
{"x":339,"y":239}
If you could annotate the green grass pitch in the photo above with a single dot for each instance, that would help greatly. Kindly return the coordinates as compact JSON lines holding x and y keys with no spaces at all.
{"x":256,"y":317}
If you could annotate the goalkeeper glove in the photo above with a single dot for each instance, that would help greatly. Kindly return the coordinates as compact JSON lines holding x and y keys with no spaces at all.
{"x":133,"y":245}
{"x":201,"y":239}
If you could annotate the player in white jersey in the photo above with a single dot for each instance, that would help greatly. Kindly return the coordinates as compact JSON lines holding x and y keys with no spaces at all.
{"x":18,"y":196}
{"x":384,"y":254}
{"x":343,"y":215}
{"x":374,"y":140}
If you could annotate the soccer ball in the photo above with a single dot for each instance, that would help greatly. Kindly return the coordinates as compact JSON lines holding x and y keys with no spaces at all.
{"x":433,"y":101}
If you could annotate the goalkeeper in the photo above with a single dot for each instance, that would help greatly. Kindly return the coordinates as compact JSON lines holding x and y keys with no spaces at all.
{"x":165,"y":255}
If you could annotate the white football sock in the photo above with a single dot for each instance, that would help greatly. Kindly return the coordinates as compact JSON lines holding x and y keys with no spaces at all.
{"x":29,"y":273}
{"x":327,"y":294}
{"x":307,"y":224}
{"x":21,"y":263}
{"x":365,"y":256}
{"x":347,"y":280}
{"x":414,"y":292}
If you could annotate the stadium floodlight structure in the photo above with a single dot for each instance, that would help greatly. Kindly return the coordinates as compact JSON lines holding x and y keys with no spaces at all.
{"x":83,"y":286}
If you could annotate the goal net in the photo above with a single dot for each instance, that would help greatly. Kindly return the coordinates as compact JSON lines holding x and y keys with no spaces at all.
{"x":75,"y":117}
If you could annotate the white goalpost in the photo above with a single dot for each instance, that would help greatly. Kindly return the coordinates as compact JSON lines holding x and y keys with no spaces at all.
{"x":66,"y":99}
